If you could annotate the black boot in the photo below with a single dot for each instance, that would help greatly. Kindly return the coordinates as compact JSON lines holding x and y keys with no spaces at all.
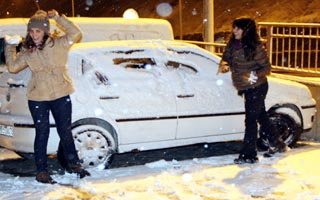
{"x":77,"y":168}
{"x":243,"y":159}
{"x":44,"y":177}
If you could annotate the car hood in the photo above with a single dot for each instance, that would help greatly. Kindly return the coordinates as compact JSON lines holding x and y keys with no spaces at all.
{"x":289,"y":92}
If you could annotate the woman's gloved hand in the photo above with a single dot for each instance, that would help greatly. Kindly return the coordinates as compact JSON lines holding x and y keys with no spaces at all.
{"x":223,"y":67}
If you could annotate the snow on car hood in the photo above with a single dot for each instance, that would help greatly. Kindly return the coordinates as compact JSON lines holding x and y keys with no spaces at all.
{"x":289,"y":91}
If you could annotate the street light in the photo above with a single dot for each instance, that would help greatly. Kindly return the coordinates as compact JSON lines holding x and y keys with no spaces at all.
{"x":130,"y":13}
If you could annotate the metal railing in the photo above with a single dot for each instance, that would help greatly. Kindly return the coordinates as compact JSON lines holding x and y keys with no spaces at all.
{"x":216,"y":48}
{"x":290,"y":46}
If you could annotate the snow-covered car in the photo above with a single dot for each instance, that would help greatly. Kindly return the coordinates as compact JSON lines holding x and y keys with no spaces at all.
{"x":150,"y":94}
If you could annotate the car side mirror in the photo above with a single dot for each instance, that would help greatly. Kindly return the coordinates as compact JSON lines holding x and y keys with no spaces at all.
{"x":12,"y":83}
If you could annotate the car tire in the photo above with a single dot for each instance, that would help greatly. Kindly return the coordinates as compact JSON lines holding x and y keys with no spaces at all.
{"x":27,"y":156}
{"x":262,"y":144}
{"x":95,"y":142}
{"x":286,"y":127}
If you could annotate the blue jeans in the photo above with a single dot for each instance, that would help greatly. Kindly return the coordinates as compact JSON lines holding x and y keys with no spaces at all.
{"x":61,"y":110}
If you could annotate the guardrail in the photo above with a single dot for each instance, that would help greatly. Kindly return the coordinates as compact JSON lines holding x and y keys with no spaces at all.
{"x":216,"y":48}
{"x":290,"y":46}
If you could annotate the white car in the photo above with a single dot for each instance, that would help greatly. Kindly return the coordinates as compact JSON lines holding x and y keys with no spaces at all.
{"x":150,"y":94}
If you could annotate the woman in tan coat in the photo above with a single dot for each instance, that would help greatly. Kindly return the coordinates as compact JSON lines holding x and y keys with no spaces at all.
{"x":49,"y":88}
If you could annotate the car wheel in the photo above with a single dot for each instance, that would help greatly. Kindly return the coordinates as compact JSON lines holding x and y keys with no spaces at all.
{"x":262,"y":144}
{"x":94,"y":143}
{"x":286,"y":128}
{"x":25,"y":155}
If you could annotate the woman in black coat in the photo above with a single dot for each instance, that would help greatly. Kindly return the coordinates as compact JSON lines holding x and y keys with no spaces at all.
{"x":249,"y":64}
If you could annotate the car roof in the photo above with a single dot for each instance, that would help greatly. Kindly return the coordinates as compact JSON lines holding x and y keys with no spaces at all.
{"x":140,"y":45}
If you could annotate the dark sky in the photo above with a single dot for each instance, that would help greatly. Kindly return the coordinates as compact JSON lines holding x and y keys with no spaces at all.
{"x":192,"y":10}
{"x":110,"y":8}
{"x":92,"y":8}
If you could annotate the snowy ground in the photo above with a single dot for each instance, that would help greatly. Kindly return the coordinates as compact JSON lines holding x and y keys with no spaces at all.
{"x":293,"y":175}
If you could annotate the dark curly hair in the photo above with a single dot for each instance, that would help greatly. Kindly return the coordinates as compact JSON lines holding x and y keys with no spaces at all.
{"x":29,"y":44}
{"x":250,"y":38}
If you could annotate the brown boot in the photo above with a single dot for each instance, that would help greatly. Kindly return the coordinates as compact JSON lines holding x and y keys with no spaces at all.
{"x":77,"y":168}
{"x":44,"y":177}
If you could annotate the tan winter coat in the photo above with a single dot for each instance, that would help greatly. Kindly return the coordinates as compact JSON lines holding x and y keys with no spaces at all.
{"x":50,"y":79}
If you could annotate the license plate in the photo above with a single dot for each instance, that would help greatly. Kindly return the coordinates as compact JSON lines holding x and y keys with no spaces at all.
{"x":6,"y":130}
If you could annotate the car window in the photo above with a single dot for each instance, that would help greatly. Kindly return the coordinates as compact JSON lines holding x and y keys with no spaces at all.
{"x":134,"y":63}
{"x":101,"y":78}
{"x":103,"y":73}
{"x":86,"y":66}
{"x":138,"y":66}
{"x":181,"y":66}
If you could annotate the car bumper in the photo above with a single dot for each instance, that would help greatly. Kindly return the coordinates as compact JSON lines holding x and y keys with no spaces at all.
{"x":309,"y":115}
{"x":21,"y":136}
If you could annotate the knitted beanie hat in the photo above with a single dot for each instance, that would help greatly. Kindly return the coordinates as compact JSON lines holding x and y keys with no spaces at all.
{"x":39,"y":20}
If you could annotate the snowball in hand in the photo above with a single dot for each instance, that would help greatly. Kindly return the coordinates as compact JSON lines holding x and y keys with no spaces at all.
{"x":253,"y":77}
{"x":15,"y":39}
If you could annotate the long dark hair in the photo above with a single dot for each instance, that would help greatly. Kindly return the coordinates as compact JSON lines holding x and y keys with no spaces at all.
{"x":250,"y":38}
{"x":30,"y":45}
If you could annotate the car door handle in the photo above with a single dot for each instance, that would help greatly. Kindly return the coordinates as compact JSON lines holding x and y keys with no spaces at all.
{"x":185,"y":95}
{"x":13,"y":85}
{"x":108,"y":97}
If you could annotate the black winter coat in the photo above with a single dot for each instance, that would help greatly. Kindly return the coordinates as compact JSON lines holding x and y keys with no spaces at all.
{"x":241,"y":68}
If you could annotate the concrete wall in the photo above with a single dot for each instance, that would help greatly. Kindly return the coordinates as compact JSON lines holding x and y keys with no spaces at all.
{"x":315,"y":132}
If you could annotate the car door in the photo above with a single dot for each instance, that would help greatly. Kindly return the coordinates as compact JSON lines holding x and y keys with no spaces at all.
{"x":129,"y":87}
{"x":207,"y":104}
